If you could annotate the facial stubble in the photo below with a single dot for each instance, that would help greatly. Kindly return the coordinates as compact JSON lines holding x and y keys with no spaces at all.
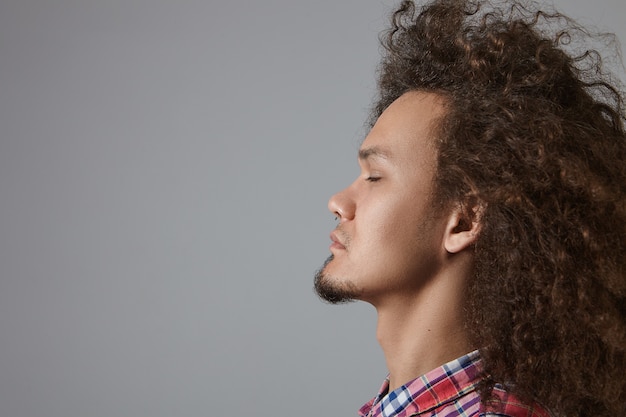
{"x":332,"y":290}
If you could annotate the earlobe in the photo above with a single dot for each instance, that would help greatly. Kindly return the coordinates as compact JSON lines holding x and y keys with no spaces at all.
{"x":462,"y":229}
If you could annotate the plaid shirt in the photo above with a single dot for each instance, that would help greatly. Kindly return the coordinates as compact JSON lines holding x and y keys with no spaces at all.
{"x":449,"y":390}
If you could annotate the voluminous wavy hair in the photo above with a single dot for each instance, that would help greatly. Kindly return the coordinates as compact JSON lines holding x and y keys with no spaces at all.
{"x":534,"y":137}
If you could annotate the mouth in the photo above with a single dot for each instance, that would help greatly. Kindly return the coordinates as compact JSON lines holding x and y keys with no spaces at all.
{"x":336,"y":243}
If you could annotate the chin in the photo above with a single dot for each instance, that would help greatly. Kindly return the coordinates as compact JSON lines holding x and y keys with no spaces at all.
{"x":332,"y":289}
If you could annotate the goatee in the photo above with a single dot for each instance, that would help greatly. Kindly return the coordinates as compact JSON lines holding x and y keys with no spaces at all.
{"x":330,"y":290}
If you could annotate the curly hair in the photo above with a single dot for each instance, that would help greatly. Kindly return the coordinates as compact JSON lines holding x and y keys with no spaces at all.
{"x":534,"y":135}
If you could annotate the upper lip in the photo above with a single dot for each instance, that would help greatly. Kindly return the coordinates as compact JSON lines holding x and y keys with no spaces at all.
{"x":335,"y":238}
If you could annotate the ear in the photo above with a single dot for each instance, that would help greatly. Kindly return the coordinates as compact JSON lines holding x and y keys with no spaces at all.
{"x":463,"y":228}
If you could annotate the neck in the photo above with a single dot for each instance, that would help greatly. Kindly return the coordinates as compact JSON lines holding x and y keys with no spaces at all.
{"x":419,"y":331}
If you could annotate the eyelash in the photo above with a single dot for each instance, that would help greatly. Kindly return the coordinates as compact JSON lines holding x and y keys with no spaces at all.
{"x":372,"y":179}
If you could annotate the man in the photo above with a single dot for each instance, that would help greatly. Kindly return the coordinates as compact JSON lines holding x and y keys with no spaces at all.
{"x":488,"y":224}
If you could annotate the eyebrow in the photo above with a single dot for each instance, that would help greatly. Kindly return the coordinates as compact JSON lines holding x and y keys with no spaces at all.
{"x":374,"y":151}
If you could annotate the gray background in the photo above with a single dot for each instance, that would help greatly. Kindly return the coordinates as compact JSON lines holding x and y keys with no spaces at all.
{"x":164,"y":172}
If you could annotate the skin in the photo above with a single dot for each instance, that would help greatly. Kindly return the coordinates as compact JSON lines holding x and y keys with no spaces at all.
{"x":395,"y":250}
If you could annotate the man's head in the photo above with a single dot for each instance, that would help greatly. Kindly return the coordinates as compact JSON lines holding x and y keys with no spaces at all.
{"x":392,"y":237}
{"x":529,"y":143}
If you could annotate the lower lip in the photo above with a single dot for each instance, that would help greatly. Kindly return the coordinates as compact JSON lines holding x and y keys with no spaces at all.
{"x":337,"y":245}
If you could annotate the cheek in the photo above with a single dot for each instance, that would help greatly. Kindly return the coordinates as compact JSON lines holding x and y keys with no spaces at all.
{"x":408,"y":228}
{"x":390,"y":225}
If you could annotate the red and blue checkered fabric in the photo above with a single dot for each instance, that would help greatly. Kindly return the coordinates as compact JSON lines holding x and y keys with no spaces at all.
{"x":447,"y":391}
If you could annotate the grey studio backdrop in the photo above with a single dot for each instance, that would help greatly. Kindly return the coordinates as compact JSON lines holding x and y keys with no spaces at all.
{"x":164,"y":173}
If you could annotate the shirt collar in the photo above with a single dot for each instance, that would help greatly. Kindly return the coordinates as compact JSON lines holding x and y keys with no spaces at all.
{"x":439,"y":386}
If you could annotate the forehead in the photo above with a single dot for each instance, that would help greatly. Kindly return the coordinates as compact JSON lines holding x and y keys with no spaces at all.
{"x":406,"y":128}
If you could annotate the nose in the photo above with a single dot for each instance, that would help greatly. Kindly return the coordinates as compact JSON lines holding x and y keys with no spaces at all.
{"x":342,"y":205}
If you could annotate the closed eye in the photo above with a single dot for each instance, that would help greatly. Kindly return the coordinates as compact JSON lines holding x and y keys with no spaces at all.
{"x":372,"y":179}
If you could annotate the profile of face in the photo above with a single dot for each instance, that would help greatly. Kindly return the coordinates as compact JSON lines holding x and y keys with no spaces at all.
{"x":389,"y":237}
